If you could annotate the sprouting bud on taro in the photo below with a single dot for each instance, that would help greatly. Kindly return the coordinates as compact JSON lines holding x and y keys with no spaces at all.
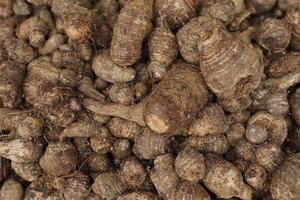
{"x":164,"y":111}
{"x":190,"y":165}
{"x":59,"y":159}
{"x":225,"y":180}
{"x":211,"y":120}
{"x":109,"y":71}
{"x":121,"y":148}
{"x":235,"y":133}
{"x":132,"y":26}
{"x":12,"y":190}
{"x":19,"y":50}
{"x":285,"y":182}
{"x":27,"y":171}
{"x":75,"y":187}
{"x":21,"y":150}
{"x":284,"y":64}
{"x":132,"y":173}
{"x":245,"y":150}
{"x":98,"y":163}
{"x":263,"y":126}
{"x":148,"y":144}
{"x":212,"y":143}
{"x":192,"y":191}
{"x":256,"y":176}
{"x":293,"y":17}
{"x":162,"y":49}
{"x":261,"y":6}
{"x":231,"y":84}
{"x":176,"y":12}
{"x":108,"y":186}
{"x":274,"y":35}
{"x":270,"y":156}
{"x":164,"y":177}
{"x":122,"y":93}
{"x":140,"y":195}
{"x":123,"y":128}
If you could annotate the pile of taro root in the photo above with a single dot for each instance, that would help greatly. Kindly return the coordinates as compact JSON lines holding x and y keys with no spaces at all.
{"x":149,"y":99}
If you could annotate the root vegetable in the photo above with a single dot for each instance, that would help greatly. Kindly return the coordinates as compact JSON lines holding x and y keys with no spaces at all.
{"x":211,"y":120}
{"x":98,"y":163}
{"x":12,"y":190}
{"x":122,"y":94}
{"x":100,"y":84}
{"x":256,"y":176}
{"x":240,"y":117}
{"x":93,"y":196}
{"x":110,"y":11}
{"x":293,"y":17}
{"x":149,"y":144}
{"x":6,"y":8}
{"x":109,"y":71}
{"x":132,"y":173}
{"x":223,"y":10}
{"x":192,"y":191}
{"x":101,"y":143}
{"x":274,"y":35}
{"x":284,"y":64}
{"x":213,"y":143}
{"x":176,"y":12}
{"x":138,"y":195}
{"x":59,"y":159}
{"x":121,"y":148}
{"x":164,"y":177}
{"x":245,"y":150}
{"x":108,"y":186}
{"x":21,"y":150}
{"x":263,"y":126}
{"x":132,"y":113}
{"x":162,"y":49}
{"x":235,"y":133}
{"x":270,"y":156}
{"x":261,"y":6}
{"x":285,"y":181}
{"x":123,"y":128}
{"x":170,"y":107}
{"x":86,"y":87}
{"x":190,"y":165}
{"x":132,"y":26}
{"x":52,"y":44}
{"x":225,"y":180}
{"x":27,"y":171}
{"x":102,"y":119}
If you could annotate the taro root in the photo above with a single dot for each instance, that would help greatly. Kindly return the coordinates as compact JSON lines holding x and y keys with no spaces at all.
{"x":98,"y":163}
{"x":238,"y":57}
{"x":190,"y":190}
{"x":285,"y":181}
{"x":132,"y":26}
{"x":27,"y":171}
{"x":225,"y":180}
{"x":12,"y":190}
{"x":11,"y":78}
{"x":110,"y":10}
{"x":295,"y":106}
{"x":138,"y":195}
{"x":274,"y":35}
{"x":293,"y":17}
{"x":109,"y":71}
{"x":212,"y":143}
{"x":245,"y":150}
{"x":87,"y":88}
{"x":123,"y":128}
{"x":211,"y":120}
{"x":261,"y":6}
{"x":21,"y":150}
{"x":162,"y":49}
{"x":121,"y":148}
{"x":108,"y":186}
{"x":122,"y":94}
{"x":164,"y":177}
{"x":235,"y":133}
{"x":295,"y":137}
{"x":164,"y":111}
{"x":59,"y":159}
{"x":190,"y":165}
{"x":6,"y":8}
{"x":148,"y":144}
{"x":256,"y":176}
{"x":263,"y":126}
{"x":270,"y":156}
{"x":176,"y":12}
{"x":101,"y":143}
{"x":52,"y":44}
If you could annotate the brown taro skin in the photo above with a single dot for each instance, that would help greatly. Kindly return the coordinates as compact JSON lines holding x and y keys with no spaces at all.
{"x":282,"y":65}
{"x":176,"y":99}
{"x":177,"y":12}
{"x":191,"y":190}
{"x":261,"y":6}
{"x":132,"y":26}
{"x":285,"y":182}
{"x":293,"y":17}
{"x":274,"y":35}
{"x":139,"y":195}
{"x":232,"y":68}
